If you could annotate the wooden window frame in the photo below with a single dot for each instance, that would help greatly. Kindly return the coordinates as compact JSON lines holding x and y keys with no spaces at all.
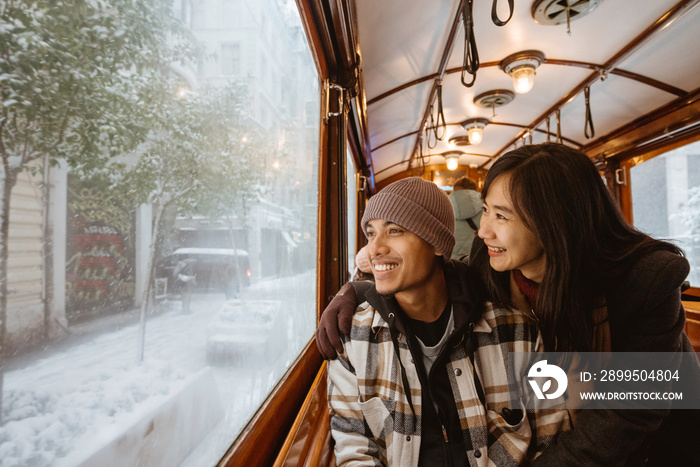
{"x":264,"y":435}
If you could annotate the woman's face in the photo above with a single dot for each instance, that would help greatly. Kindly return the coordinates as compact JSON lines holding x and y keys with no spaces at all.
{"x":511,"y":245}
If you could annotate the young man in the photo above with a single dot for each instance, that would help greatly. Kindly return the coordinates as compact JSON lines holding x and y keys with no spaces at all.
{"x":426,"y":332}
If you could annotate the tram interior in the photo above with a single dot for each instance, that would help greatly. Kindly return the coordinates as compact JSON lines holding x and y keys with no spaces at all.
{"x":258,"y":129}
{"x":614,"y":84}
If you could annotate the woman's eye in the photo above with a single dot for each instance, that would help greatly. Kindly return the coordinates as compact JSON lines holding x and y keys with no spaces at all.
{"x":394,"y":231}
{"x":501,"y":216}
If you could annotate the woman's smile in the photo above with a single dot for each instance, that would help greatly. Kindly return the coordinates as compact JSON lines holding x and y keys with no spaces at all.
{"x":493,"y":251}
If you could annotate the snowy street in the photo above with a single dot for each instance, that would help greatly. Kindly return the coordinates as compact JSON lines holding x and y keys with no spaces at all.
{"x":76,"y":396}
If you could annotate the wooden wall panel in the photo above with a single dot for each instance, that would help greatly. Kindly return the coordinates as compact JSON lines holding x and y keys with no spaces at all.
{"x":692,"y":323}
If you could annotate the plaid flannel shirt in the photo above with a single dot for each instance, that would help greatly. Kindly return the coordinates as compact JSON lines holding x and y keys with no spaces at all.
{"x":372,"y":422}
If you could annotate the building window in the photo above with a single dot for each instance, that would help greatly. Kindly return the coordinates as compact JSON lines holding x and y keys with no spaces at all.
{"x":199,"y":14}
{"x":230,"y":59}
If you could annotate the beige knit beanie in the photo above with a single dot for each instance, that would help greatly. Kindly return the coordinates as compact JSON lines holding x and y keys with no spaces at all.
{"x":419,"y":206}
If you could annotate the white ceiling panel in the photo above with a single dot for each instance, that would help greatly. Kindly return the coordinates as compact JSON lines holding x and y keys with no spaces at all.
{"x":672,"y":56}
{"x":400,"y":40}
{"x":403,"y":40}
{"x":397,"y":115}
{"x":391,"y":154}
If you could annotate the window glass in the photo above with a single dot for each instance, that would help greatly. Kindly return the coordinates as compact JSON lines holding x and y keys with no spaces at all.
{"x":666,"y":201}
{"x":162,"y":225}
{"x":352,"y":212}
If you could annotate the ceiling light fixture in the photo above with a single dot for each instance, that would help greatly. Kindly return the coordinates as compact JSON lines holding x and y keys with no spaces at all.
{"x":494,"y":98}
{"x":552,"y":12}
{"x":521,"y":67}
{"x":459,"y":140}
{"x":475,"y":129}
{"x":452,"y":163}
{"x":452,"y":159}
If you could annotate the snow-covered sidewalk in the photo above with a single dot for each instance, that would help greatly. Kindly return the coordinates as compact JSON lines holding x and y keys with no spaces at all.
{"x":77,"y":397}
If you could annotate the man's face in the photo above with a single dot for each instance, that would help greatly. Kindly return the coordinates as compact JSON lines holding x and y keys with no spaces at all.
{"x":401,"y":260}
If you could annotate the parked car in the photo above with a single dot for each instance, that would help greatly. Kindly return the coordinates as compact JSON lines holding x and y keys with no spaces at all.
{"x":246,"y":330}
{"x":214,"y":269}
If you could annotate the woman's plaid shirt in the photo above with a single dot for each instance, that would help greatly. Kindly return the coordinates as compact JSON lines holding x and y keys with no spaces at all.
{"x":373,"y":424}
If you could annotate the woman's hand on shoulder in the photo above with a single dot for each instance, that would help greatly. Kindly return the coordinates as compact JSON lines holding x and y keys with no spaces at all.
{"x":335,"y":321}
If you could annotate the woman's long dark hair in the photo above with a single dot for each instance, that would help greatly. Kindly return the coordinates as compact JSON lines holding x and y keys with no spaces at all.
{"x":561,"y":198}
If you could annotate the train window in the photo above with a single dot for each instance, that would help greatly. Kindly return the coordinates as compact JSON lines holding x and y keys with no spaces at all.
{"x":161,"y":274}
{"x":666,"y":200}
{"x":352,"y":211}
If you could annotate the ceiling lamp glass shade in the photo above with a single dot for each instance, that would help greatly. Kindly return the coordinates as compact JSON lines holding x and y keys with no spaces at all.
{"x":521,"y":67}
{"x":476,"y":134}
{"x":452,"y":162}
{"x":523,"y":79}
{"x":475,"y":129}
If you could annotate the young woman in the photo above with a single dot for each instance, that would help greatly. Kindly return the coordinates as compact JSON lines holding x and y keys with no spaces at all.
{"x":553,"y":243}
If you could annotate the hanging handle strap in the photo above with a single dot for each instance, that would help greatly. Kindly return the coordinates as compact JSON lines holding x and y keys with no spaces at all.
{"x":559,"y":126}
{"x":494,"y":13}
{"x":440,"y":123}
{"x":471,"y":54}
{"x":431,"y":130}
{"x":589,"y":117}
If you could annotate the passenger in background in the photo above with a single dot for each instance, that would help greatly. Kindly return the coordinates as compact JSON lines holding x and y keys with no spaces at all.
{"x":554,"y":244}
{"x":466,"y":203}
{"x":409,"y":387}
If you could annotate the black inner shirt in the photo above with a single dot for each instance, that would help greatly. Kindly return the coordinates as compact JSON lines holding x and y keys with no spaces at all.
{"x":433,"y":450}
{"x":431,"y":333}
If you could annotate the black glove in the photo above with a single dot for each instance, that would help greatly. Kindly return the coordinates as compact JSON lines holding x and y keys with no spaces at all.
{"x":335,"y":321}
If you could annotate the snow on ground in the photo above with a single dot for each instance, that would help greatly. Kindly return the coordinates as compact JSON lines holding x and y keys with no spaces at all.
{"x":47,"y":421}
{"x":82,"y":394}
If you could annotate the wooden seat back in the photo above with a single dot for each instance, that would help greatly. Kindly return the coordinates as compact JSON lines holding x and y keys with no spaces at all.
{"x":309,"y":440}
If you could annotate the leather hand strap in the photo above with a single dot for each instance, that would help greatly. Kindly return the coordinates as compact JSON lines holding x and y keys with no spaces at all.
{"x":494,"y":13}
{"x":471,"y":54}
{"x":589,"y":117}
